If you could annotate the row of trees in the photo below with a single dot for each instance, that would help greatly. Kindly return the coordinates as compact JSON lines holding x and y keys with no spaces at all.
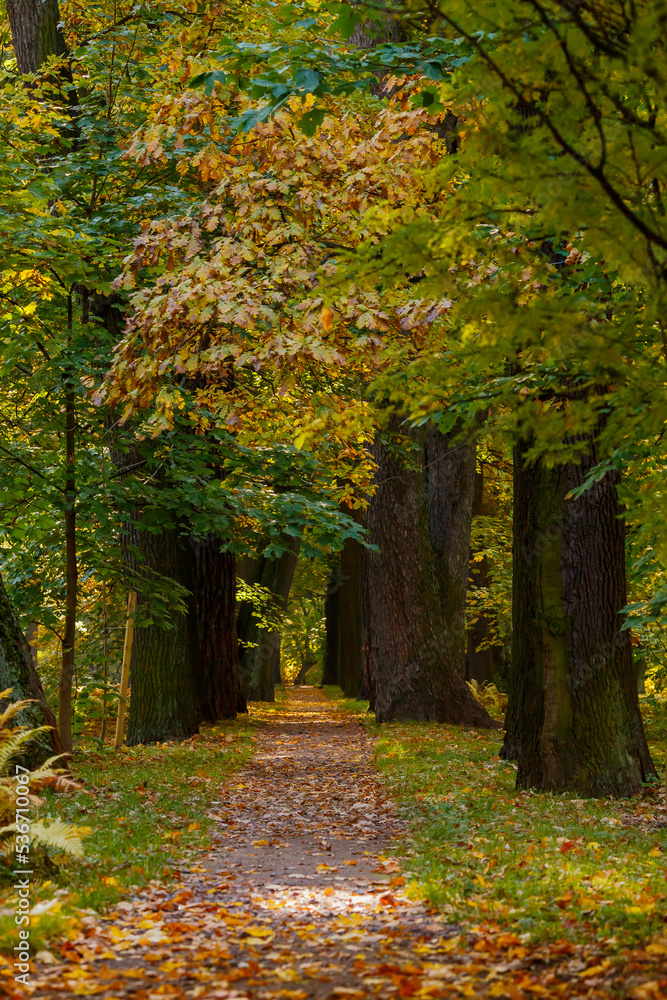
{"x":363,"y":244}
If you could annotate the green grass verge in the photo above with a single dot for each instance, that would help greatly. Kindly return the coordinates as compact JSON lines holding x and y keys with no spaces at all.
{"x":545,"y":866}
{"x":147,"y":810}
{"x":354,"y":705}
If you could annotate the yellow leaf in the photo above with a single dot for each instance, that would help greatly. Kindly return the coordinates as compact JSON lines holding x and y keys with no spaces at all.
{"x":326,"y":318}
{"x":259,"y":932}
{"x":593,"y":971}
{"x":193,"y":826}
{"x":170,"y":965}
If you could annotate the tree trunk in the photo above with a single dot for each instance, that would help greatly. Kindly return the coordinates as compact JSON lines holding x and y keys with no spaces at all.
{"x":420,"y":517}
{"x":350,"y":627}
{"x":71,"y":566}
{"x":573,"y":721}
{"x":17,"y":671}
{"x":214,"y":593}
{"x":331,"y":615}
{"x":164,"y":698}
{"x":259,"y":645}
{"x":35,"y":32}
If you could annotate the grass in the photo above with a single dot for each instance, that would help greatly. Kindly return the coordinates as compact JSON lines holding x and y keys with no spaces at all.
{"x":147,"y":812}
{"x":356,"y":705}
{"x":547,"y":867}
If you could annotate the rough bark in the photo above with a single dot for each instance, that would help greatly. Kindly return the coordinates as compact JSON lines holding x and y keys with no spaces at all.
{"x":17,"y":671}
{"x":217,"y":660}
{"x":331,"y":616}
{"x":573,"y":720}
{"x":164,"y":699}
{"x":350,"y":619}
{"x":35,"y":32}
{"x":260,"y":646}
{"x":420,"y":518}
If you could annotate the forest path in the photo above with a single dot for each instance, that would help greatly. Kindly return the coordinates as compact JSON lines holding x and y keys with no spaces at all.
{"x":296,"y":898}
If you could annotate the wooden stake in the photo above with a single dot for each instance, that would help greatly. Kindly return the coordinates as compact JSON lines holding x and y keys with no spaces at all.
{"x":125,"y":669}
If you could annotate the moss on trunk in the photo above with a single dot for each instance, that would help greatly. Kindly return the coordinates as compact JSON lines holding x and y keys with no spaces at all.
{"x":573,"y":721}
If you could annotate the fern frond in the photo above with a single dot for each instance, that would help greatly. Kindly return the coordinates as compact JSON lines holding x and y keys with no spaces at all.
{"x":12,"y":710}
{"x":59,"y":835}
{"x":12,"y":743}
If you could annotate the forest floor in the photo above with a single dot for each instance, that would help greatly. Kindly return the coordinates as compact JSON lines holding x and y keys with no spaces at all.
{"x":302,"y":896}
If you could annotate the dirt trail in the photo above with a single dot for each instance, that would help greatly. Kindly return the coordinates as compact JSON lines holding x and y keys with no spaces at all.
{"x":296,"y":899}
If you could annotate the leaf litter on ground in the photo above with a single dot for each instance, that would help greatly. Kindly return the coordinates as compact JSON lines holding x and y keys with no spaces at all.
{"x":304,"y":893}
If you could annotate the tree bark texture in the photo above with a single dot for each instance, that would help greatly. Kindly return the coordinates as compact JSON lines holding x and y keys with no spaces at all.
{"x":17,"y":671}
{"x":35,"y":33}
{"x":331,"y":617}
{"x":420,"y":517}
{"x":260,"y":646}
{"x":164,"y":699}
{"x":214,"y":592}
{"x":573,"y":720}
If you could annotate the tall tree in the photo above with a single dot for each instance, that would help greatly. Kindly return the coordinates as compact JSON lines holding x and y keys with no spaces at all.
{"x":419,"y":517}
{"x":165,"y":698}
{"x":331,"y":616}
{"x":36,"y":37}
{"x":214,"y":592}
{"x":573,"y":719}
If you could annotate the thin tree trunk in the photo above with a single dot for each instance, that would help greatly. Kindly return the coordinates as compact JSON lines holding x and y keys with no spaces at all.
{"x":331,"y":616}
{"x":105,"y":633}
{"x":17,"y":671}
{"x":215,"y":609}
{"x":71,"y":568}
{"x":420,"y":518}
{"x":573,"y":720}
